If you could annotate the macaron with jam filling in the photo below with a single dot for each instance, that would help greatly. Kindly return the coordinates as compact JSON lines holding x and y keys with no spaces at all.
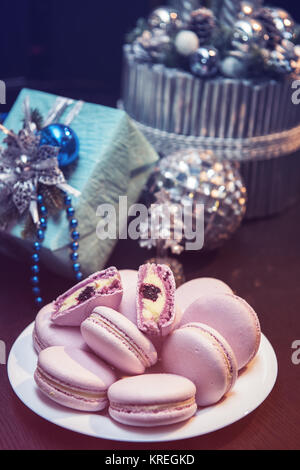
{"x":101,"y":288}
{"x":202,"y":355}
{"x":152,"y":400}
{"x":46,"y":333}
{"x":155,"y":299}
{"x":233,"y":317}
{"x":118,"y":341}
{"x":74,"y":378}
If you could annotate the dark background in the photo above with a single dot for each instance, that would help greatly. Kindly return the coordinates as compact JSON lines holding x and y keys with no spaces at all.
{"x":71,"y":46}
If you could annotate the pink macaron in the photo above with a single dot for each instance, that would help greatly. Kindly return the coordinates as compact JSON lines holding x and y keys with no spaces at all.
{"x":74,"y":378}
{"x":233,"y":318}
{"x":46,"y":333}
{"x":101,"y":288}
{"x":188,"y":292}
{"x":118,"y":341}
{"x":155,"y":299}
{"x":202,"y":355}
{"x":127,"y":307}
{"x":152,"y":400}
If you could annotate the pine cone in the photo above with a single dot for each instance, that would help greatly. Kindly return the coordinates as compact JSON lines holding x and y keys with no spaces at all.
{"x":156,"y":43}
{"x":266,"y":19}
{"x":203,"y":23}
{"x":280,"y":60}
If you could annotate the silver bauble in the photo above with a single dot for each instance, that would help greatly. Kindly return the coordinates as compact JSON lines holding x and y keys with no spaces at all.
{"x":204,"y":62}
{"x":165,"y":18}
{"x":234,"y":65}
{"x":198,"y":177}
{"x":249,"y":31}
{"x":283,"y":22}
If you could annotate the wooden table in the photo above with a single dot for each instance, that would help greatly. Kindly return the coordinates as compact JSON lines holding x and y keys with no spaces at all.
{"x":261,"y":263}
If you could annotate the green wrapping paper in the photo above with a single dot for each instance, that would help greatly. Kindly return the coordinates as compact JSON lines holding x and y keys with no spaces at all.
{"x":115,"y":160}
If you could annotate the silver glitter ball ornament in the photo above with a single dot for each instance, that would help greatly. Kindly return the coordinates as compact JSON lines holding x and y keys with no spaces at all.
{"x":204,"y":62}
{"x":196,"y":177}
{"x":283,"y":22}
{"x":166,"y":18}
{"x":249,"y":31}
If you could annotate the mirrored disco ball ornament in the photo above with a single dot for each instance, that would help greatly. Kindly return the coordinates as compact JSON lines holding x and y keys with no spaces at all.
{"x":60,"y":135}
{"x":166,"y":18}
{"x":194,"y":177}
{"x":204,"y":62}
{"x":249,"y":31}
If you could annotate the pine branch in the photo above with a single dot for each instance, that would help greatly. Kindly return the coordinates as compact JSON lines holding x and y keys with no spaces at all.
{"x":29,"y":228}
{"x":53,"y":197}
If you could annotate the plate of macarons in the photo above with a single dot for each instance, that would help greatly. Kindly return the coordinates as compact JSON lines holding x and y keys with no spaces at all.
{"x":125,"y":355}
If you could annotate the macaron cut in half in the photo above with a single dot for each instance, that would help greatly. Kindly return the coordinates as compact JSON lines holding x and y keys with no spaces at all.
{"x":118,"y":341}
{"x":101,"y":288}
{"x":46,"y":333}
{"x":74,"y":378}
{"x":155,"y":299}
{"x":152,"y":400}
{"x":231,"y":316}
{"x":202,"y":355}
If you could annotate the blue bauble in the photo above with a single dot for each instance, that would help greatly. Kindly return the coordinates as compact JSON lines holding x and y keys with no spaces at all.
{"x":64,"y":137}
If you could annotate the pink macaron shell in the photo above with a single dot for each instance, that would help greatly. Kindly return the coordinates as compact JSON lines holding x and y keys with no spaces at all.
{"x":65,"y":373}
{"x":201,"y":354}
{"x":46,"y":333}
{"x":233,"y":317}
{"x":69,"y":400}
{"x":188,"y":292}
{"x":116,"y":339}
{"x":74,"y":316}
{"x":127,"y":307}
{"x":152,"y":400}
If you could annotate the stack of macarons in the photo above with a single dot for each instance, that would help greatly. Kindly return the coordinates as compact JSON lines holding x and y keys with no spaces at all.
{"x":131,"y":341}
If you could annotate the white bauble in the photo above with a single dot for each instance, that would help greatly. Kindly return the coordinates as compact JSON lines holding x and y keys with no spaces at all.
{"x":186,"y":42}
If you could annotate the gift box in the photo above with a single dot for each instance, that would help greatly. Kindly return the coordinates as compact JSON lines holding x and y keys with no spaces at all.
{"x":114,"y":160}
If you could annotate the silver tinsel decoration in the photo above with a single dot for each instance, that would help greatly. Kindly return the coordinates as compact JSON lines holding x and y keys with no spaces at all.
{"x":283,"y":22}
{"x":191,"y":177}
{"x":283,"y":59}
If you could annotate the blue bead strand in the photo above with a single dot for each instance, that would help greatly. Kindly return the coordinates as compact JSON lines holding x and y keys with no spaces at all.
{"x":75,"y":236}
{"x":40,"y":235}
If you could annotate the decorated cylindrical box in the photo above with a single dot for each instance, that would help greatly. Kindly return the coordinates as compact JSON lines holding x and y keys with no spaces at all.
{"x":197,"y":78}
{"x":253,"y":122}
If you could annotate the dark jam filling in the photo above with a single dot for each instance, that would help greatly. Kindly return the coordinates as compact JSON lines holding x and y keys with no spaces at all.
{"x":86,"y":294}
{"x":149,"y":291}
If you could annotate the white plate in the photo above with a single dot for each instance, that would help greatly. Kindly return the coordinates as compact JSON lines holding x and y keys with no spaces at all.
{"x":251,"y":389}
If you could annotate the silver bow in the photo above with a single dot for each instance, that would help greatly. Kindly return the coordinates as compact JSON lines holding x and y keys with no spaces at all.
{"x":23,"y":164}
